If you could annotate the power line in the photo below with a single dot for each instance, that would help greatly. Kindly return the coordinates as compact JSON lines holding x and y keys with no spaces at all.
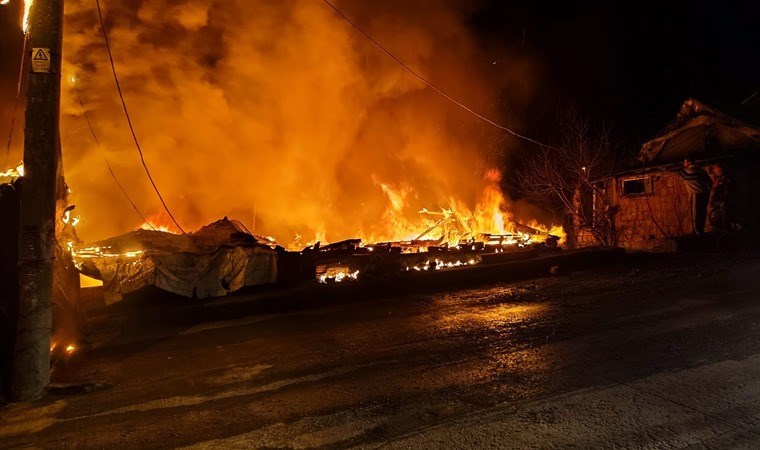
{"x":429,"y":83}
{"x":751,"y":96}
{"x":105,"y":158}
{"x":129,"y":120}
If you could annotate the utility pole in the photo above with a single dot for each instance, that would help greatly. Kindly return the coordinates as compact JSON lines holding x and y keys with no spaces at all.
{"x":31,"y":356}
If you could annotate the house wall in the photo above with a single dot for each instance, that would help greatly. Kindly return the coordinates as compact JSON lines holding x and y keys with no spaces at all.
{"x":650,"y":222}
{"x":647,"y":222}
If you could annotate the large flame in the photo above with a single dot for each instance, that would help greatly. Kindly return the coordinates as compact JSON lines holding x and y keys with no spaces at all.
{"x":282,"y":116}
{"x":452,"y":222}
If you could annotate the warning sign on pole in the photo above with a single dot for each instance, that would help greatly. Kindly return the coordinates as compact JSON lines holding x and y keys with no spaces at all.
{"x":41,"y":60}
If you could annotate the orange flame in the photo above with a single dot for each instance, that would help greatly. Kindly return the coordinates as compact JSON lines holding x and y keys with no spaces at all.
{"x":454,"y":222}
{"x":159,"y":222}
{"x":17,"y":172}
{"x":27,"y":11}
{"x":314,"y":117}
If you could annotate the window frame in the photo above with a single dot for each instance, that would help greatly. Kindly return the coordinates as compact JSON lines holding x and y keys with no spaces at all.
{"x":648,"y":181}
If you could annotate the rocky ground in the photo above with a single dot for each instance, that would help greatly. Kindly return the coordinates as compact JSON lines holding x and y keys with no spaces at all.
{"x":651,"y":352}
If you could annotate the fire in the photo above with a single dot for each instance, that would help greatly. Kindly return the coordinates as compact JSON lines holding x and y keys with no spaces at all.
{"x":451,"y":236}
{"x":67,"y":219}
{"x":16,"y":172}
{"x":27,"y":10}
{"x":327,"y":139}
{"x":438,"y":264}
{"x":159,"y":223}
{"x":455,"y":223}
{"x":69,"y":349}
{"x":338,"y":276}
{"x":554,"y":230}
{"x":396,"y":197}
{"x":162,"y":228}
{"x":102,"y":252}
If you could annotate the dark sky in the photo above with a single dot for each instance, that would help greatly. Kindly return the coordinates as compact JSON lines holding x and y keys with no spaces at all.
{"x":634,"y":63}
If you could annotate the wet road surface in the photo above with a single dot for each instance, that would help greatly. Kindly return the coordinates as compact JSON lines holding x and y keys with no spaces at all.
{"x":662,"y":352}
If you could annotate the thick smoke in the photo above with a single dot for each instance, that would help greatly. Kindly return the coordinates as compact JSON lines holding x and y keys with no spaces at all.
{"x":278,"y":110}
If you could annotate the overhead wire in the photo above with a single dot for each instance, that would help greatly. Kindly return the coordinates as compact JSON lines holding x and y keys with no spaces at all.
{"x":430,"y":83}
{"x":108,"y":163}
{"x":129,"y":121}
{"x":344,"y":17}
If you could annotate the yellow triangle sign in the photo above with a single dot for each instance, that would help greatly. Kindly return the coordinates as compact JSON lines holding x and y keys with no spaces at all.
{"x":41,"y":60}
{"x":40,"y":55}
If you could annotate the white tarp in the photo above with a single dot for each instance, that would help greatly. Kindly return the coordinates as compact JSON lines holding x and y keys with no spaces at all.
{"x":212,"y":262}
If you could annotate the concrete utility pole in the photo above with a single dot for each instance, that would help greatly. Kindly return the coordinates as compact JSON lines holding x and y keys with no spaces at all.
{"x":31,"y":357}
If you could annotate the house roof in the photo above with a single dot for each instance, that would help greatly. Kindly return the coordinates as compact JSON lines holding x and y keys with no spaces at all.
{"x":699,"y":132}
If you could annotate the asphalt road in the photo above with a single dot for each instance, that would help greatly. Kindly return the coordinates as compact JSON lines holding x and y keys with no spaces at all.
{"x":658,"y":353}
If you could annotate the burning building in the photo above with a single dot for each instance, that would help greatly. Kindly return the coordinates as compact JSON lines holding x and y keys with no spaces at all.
{"x":281,"y":115}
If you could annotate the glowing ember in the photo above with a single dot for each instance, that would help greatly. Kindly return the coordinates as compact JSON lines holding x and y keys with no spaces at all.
{"x":437,"y":264}
{"x":102,"y":252}
{"x":338,"y":276}
{"x":70,"y":349}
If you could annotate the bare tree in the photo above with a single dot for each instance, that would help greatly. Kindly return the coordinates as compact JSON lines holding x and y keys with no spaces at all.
{"x":569,"y":176}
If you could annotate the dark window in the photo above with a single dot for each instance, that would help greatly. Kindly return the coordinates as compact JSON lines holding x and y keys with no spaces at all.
{"x":637,"y":186}
{"x":633,"y":187}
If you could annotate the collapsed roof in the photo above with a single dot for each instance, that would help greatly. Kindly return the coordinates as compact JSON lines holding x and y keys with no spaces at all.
{"x":699,"y":132}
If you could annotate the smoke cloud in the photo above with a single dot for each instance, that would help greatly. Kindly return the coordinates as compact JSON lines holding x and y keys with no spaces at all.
{"x":278,"y":112}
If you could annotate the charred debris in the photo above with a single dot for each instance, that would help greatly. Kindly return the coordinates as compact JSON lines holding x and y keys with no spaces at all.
{"x":224,"y":256}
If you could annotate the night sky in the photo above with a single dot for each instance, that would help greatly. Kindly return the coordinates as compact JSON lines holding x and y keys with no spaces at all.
{"x":634,"y":63}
